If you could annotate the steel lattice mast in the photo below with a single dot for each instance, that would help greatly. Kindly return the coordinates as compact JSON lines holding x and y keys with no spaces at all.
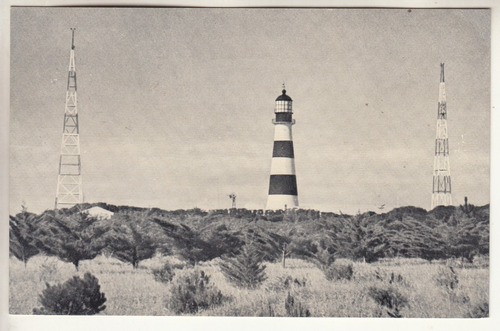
{"x":441,"y":183}
{"x":283,"y":182}
{"x":69,"y":182}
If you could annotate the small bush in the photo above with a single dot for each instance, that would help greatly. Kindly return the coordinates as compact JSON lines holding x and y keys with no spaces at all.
{"x":459,"y":297}
{"x":380,"y":275}
{"x":282,"y":283}
{"x":338,"y":271}
{"x":392,"y":278}
{"x":266,"y":310}
{"x":480,"y":310}
{"x":390,"y":298}
{"x":324,"y":257}
{"x":193,"y":292}
{"x":447,"y":278}
{"x":76,"y":296}
{"x":481,"y":261}
{"x":294,"y":308}
{"x":301,"y":283}
{"x":396,"y":278}
{"x":165,"y":274}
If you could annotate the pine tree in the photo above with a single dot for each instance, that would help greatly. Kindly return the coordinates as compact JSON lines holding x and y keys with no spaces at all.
{"x":245,"y":269}
{"x":131,"y":238}
{"x":71,"y":238}
{"x":185,"y":242}
{"x":21,"y":236}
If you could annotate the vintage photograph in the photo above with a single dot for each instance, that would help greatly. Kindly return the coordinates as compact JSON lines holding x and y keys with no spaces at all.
{"x":258,"y":162}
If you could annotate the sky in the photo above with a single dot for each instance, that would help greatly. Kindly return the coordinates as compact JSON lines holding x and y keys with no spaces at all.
{"x":175,"y":104}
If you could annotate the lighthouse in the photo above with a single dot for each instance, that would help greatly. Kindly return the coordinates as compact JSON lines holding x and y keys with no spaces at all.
{"x":283,"y":182}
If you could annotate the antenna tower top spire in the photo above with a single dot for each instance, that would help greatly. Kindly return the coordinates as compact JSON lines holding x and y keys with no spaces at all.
{"x":442,"y":73}
{"x":73,"y":38}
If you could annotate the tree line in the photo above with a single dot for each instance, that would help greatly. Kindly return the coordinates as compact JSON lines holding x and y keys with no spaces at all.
{"x":134,"y":234}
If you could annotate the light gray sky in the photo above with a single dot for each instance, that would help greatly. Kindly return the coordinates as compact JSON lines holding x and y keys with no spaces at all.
{"x":175,"y":105}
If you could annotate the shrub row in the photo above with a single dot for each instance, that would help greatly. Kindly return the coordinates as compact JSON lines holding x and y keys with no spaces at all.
{"x":134,"y":234}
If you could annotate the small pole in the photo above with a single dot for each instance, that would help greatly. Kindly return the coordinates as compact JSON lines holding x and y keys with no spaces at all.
{"x":284,"y":253}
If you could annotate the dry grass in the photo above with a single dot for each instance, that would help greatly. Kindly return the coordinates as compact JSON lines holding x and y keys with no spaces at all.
{"x":135,"y":292}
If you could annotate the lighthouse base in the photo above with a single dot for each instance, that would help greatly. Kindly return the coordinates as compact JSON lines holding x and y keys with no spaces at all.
{"x":282,"y":202}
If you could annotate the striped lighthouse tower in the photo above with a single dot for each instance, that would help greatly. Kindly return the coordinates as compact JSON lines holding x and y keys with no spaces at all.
{"x":283,"y":182}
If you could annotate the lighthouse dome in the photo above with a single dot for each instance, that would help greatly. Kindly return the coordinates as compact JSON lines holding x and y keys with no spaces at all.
{"x":283,"y":97}
{"x":283,"y":104}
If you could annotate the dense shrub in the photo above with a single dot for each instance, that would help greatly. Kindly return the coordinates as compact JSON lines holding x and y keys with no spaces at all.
{"x":480,"y":310}
{"x":76,"y":296}
{"x":192,"y":292}
{"x":165,"y":274}
{"x":447,"y":278}
{"x":246,"y":269}
{"x":134,"y":234}
{"x":469,"y":238}
{"x":294,"y":308}
{"x":338,"y":271}
{"x":390,"y":298}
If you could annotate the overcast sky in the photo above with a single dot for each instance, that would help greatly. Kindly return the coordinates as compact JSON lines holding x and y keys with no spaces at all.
{"x":175,"y":105}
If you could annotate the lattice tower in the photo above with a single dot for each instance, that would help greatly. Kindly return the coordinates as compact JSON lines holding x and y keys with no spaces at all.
{"x":69,"y":183}
{"x":441,"y":182}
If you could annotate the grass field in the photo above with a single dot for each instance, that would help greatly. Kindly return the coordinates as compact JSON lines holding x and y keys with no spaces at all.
{"x":135,"y":292}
